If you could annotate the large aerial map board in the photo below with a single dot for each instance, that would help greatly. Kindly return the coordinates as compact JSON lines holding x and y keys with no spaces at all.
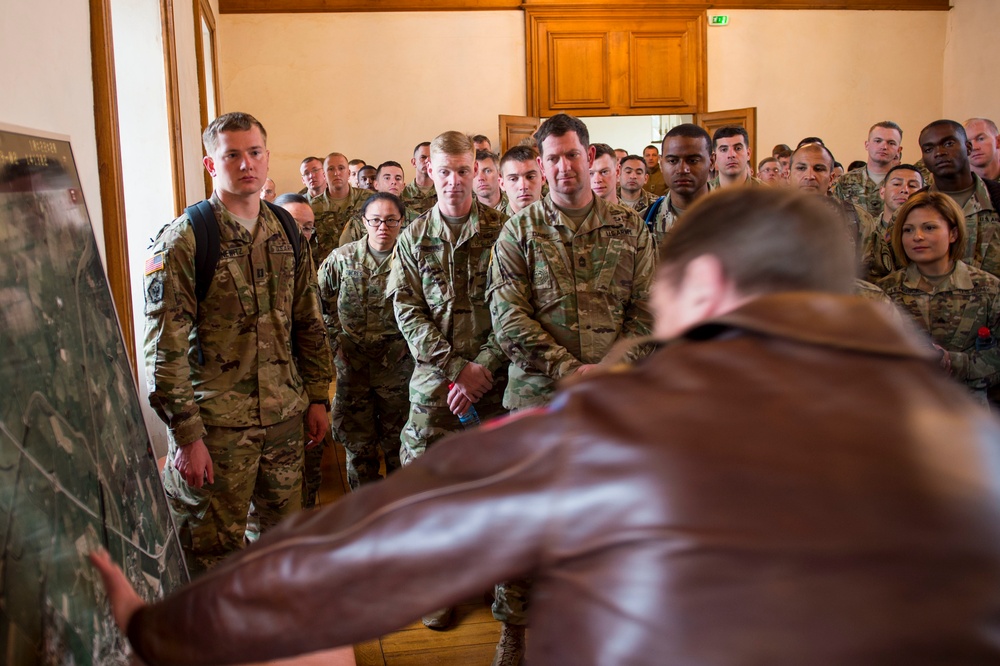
{"x":76,"y":467}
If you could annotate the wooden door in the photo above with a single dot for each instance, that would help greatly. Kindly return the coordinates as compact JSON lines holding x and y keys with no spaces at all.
{"x":514,"y":129}
{"x":745,"y":118}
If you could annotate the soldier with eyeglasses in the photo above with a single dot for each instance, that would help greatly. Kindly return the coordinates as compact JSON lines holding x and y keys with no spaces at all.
{"x":372,"y":360}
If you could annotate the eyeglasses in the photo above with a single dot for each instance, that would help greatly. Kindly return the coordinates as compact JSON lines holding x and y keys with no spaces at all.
{"x":391,"y":222}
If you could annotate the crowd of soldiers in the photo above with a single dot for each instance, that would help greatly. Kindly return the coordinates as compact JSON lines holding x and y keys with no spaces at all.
{"x":478,"y":286}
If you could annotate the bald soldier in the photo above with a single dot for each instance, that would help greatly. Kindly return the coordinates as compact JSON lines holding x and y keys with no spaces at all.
{"x":985,"y":139}
{"x":335,"y":207}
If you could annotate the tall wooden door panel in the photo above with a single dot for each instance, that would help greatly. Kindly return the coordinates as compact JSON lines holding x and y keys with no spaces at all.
{"x":602,"y":62}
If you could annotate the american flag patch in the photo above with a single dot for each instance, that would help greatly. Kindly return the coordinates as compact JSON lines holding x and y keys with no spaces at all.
{"x":154,"y":263}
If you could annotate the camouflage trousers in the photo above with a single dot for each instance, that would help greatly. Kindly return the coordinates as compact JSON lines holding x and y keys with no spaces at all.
{"x":262,"y":464}
{"x":511,"y":600}
{"x":370,"y":407}
{"x":429,"y":423}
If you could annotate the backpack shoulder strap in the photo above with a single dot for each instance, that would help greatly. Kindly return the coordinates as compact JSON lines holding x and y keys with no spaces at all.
{"x":206,"y":243}
{"x":651,"y":213}
{"x":291,"y":227}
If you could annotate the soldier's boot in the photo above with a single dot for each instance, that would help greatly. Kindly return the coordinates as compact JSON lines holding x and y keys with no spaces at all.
{"x":440,"y":619}
{"x":510,"y":649}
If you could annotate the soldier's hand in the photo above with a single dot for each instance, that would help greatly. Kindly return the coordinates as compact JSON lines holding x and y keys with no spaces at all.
{"x":584,"y":369}
{"x":474,"y":381}
{"x":195,"y":464}
{"x":457,"y":402}
{"x":317,"y":425}
{"x":124,"y":600}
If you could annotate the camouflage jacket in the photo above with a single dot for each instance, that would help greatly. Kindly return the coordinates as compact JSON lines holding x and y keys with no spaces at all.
{"x":646,"y":199}
{"x":952,"y":314}
{"x":716,"y":183}
{"x":254,"y":352}
{"x":665,"y":219}
{"x":655,"y":182}
{"x":331,"y":220}
{"x":355,"y":228}
{"x":418,"y":199}
{"x":877,"y":256}
{"x":504,"y":204}
{"x":438,"y":286}
{"x":855,"y":186}
{"x":560,"y":298}
{"x":982,"y":224}
{"x":352,"y":291}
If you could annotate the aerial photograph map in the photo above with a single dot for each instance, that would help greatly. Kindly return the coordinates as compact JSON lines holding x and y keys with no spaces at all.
{"x":77,"y":471}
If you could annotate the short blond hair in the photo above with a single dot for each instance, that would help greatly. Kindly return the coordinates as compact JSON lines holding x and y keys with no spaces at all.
{"x":453,"y":143}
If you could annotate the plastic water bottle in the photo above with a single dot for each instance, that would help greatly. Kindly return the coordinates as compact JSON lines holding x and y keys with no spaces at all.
{"x":985,"y":339}
{"x":470,"y":419}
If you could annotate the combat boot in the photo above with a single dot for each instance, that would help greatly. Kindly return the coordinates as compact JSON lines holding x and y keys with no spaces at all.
{"x":510,"y":649}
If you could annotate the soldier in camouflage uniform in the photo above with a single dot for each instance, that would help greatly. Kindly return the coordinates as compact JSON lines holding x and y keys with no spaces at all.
{"x":570,"y":276}
{"x":686,"y":163}
{"x":656,"y":179}
{"x":811,"y":170}
{"x":731,"y":152}
{"x":946,"y":151}
{"x":487,"y":182}
{"x":232,"y":376}
{"x":338,"y":204}
{"x":603,"y":173}
{"x":373,"y":363}
{"x":950,"y":300}
{"x":388,"y":178}
{"x":861,"y":186}
{"x":877,"y":255}
{"x":438,"y":285}
{"x":632,"y":193}
{"x":313,"y":177}
{"x":420,"y":195}
{"x":985,"y":139}
{"x":521,"y":178}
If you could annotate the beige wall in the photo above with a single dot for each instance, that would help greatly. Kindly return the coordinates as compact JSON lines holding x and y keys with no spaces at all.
{"x":46,"y":82}
{"x":822,"y":73}
{"x":971,"y":81}
{"x":370,"y":85}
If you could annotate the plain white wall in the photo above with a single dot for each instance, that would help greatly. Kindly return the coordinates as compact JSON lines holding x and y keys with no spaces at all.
{"x":370,"y":85}
{"x":971,"y":85}
{"x":46,"y":83}
{"x":831,"y":74}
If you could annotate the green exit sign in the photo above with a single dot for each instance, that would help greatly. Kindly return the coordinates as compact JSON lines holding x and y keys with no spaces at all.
{"x":720,"y":19}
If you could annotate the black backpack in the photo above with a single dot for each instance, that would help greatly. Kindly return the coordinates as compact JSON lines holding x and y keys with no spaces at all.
{"x":206,"y":241}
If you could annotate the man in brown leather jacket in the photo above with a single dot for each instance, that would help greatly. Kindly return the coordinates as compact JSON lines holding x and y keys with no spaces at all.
{"x":789,"y":480}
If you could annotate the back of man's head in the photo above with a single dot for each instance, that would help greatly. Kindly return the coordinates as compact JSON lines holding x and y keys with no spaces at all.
{"x":767,"y":240}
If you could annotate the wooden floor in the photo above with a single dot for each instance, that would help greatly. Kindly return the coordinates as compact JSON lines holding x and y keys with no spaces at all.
{"x":469,"y":642}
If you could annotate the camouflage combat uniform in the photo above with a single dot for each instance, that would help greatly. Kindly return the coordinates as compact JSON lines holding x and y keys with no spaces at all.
{"x":951,"y":314}
{"x":982,"y":224}
{"x":655,"y":182}
{"x":750,"y":181}
{"x":858,"y":188}
{"x":237,"y":371}
{"x":640,"y":206}
{"x":664,"y":221}
{"x":561,"y":298}
{"x":331,"y":217}
{"x":418,"y":199}
{"x":877,"y":256}
{"x":373,"y":363}
{"x":438,"y":285}
{"x":504,"y":204}
{"x":355,"y":228}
